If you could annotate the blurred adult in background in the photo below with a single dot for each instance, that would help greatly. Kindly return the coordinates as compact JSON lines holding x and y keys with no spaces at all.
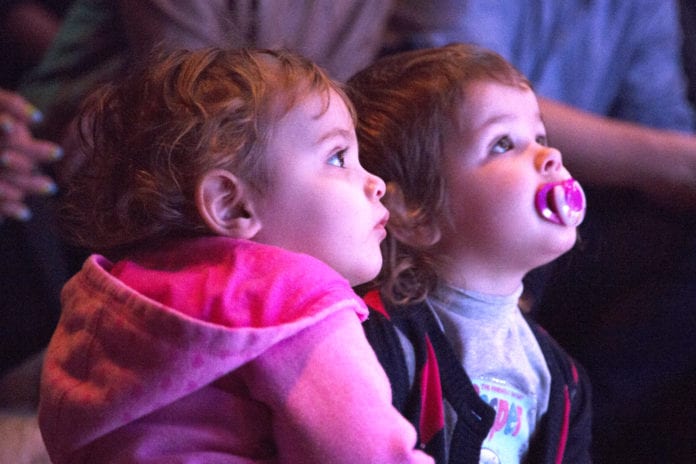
{"x":32,"y":264}
{"x":101,"y":38}
{"x":30,"y":261}
{"x":33,"y":270}
{"x":27,"y":28}
{"x":687,"y":14}
{"x":614,"y":101}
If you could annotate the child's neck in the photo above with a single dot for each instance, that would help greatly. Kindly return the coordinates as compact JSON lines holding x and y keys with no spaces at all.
{"x":482,"y":279}
{"x":474,"y":305}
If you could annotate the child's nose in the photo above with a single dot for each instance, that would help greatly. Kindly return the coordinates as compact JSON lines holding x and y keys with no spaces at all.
{"x":549,"y":160}
{"x":375,"y":187}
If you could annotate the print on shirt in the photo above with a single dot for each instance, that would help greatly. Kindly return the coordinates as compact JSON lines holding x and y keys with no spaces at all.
{"x":508,"y":439}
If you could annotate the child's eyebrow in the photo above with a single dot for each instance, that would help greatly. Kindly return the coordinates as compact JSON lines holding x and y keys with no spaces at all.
{"x":503,"y":117}
{"x":337,"y":132}
{"x":497,"y":118}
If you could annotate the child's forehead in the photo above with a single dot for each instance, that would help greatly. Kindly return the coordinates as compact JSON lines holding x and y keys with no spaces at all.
{"x":479,"y":94}
{"x":475,"y":86}
{"x":486,"y":101}
{"x":313,"y":102}
{"x":312,"y":119}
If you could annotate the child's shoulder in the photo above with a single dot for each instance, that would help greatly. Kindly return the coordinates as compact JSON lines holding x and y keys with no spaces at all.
{"x":237,"y":255}
{"x":235,"y":280}
{"x":560,"y":362}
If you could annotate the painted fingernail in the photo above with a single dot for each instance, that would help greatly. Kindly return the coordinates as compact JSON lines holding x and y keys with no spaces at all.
{"x":57,"y":153}
{"x":49,"y":188}
{"x":6,"y":125}
{"x":22,"y":214}
{"x":35,"y":115}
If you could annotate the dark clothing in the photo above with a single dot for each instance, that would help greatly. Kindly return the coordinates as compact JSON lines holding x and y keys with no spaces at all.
{"x":563,"y":435}
{"x":35,"y":264}
{"x":623,"y":303}
{"x":687,"y":15}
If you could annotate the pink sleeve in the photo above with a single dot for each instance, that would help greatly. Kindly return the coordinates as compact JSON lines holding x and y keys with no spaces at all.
{"x":330,"y":398}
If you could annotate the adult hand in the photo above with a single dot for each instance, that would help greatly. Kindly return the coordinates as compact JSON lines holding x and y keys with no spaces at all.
{"x":21,"y":156}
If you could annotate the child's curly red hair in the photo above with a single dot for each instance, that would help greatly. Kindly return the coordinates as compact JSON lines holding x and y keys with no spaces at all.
{"x":406,"y":104}
{"x":148,"y":139}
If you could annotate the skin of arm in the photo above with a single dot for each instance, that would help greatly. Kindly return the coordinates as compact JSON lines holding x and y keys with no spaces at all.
{"x":608,"y":152}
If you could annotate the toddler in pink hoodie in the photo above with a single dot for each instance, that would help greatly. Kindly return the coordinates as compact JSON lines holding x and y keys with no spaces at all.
{"x":222,"y":195}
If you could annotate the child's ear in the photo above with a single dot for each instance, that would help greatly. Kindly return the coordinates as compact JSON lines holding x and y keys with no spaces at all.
{"x":224,"y":203}
{"x":403,"y":222}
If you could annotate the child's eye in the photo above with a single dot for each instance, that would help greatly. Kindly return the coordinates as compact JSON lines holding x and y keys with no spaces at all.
{"x":542,"y":140}
{"x":338,"y":159}
{"x":503,"y":145}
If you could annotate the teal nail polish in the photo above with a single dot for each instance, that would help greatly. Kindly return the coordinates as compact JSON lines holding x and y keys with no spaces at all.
{"x":6,"y":125}
{"x":35,"y":115}
{"x":50,"y":188}
{"x":23,"y":215}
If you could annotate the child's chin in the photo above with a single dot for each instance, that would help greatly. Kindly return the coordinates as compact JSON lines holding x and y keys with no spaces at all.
{"x":366,"y":275}
{"x":565,"y":242}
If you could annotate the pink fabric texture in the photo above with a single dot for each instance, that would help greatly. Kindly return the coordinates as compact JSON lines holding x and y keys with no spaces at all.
{"x":215,"y":350}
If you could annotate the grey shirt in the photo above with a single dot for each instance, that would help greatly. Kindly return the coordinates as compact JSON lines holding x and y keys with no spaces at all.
{"x":504,"y":361}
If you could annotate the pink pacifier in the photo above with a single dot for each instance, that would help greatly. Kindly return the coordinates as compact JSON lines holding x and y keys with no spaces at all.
{"x":562,"y":202}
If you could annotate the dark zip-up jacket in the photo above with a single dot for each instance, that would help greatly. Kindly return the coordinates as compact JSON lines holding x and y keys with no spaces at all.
{"x":562,"y":436}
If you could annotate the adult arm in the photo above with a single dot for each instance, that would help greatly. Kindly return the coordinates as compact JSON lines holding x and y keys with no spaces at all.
{"x":330,"y":398}
{"x":612,"y":153}
{"x":643,"y":154}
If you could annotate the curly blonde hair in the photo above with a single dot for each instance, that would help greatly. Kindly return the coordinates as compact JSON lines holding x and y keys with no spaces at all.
{"x":149,"y":138}
{"x":405,"y":104}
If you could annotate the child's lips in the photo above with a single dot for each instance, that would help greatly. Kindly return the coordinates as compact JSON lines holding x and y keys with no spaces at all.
{"x":382,"y":225}
{"x":562,"y":202}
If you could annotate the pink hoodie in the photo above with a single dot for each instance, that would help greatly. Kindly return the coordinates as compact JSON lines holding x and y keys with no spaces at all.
{"x":215,"y":350}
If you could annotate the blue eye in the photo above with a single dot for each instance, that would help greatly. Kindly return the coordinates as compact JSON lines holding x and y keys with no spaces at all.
{"x":503,"y":145}
{"x":338,"y":159}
